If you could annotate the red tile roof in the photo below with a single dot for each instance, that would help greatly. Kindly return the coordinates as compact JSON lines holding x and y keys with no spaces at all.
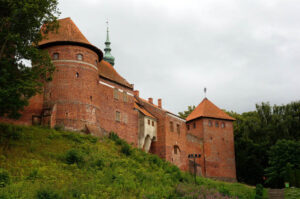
{"x":207,"y":109}
{"x":67,"y":31}
{"x":140,"y":108}
{"x":107,"y":71}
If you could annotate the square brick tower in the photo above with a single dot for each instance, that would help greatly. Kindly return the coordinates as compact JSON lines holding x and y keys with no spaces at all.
{"x":210,"y":133}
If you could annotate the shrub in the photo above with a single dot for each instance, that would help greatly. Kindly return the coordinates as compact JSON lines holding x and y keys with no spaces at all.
{"x":59,"y":127}
{"x":47,"y":194}
{"x":259,"y":191}
{"x":33,"y":174}
{"x":74,"y":156}
{"x":4,"y":178}
{"x":99,"y":164}
{"x":126,"y":149}
{"x":224,"y":191}
{"x":113,"y":136}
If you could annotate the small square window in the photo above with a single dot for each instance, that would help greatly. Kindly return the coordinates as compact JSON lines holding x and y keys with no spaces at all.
{"x":55,"y":56}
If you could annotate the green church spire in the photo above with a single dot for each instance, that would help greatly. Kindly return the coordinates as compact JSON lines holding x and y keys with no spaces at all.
{"x":107,"y":56}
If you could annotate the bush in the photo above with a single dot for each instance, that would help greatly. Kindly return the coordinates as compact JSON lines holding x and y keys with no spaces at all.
{"x":47,"y":194}
{"x":259,"y":191}
{"x":4,"y":178}
{"x":74,"y":156}
{"x":224,"y":191}
{"x":59,"y":127}
{"x":126,"y":149}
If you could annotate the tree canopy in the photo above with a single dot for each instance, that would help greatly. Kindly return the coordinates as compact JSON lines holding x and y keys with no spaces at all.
{"x":20,"y":32}
{"x":186,"y":113}
{"x":266,"y":141}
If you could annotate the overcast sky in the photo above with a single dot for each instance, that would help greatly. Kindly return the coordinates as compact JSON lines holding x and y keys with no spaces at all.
{"x":243,"y":51}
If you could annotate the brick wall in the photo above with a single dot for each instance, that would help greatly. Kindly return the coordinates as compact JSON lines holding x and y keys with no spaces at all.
{"x":127,"y":127}
{"x":219,"y":149}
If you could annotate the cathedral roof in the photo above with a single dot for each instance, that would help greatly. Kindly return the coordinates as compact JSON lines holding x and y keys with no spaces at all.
{"x":207,"y":109}
{"x":68,"y":34}
{"x":107,"y":71}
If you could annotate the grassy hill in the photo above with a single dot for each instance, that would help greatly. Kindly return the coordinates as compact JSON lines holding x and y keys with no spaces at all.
{"x":43,"y":163}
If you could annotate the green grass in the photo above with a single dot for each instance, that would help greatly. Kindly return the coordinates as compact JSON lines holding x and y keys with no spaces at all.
{"x":43,"y":163}
{"x":292,"y":193}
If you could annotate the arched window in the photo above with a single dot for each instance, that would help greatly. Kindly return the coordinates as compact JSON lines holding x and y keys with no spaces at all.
{"x":77,"y":74}
{"x":55,"y":56}
{"x":222,"y":125}
{"x":176,"y":149}
{"x":79,"y":57}
{"x":217,"y":124}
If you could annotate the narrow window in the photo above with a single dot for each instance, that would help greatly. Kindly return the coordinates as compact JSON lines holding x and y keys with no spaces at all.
{"x":77,"y":74}
{"x":171,"y":127}
{"x":152,"y":123}
{"x":194,"y":125}
{"x":178,"y":128}
{"x":209,"y":123}
{"x":118,"y":116}
{"x":222,"y":125}
{"x":55,"y":56}
{"x":188,"y":127}
{"x":91,"y":98}
{"x":116,"y":93}
{"x":125,"y":96}
{"x":125,"y":118}
{"x":217,"y":124}
{"x":96,"y":62}
{"x":79,"y":57}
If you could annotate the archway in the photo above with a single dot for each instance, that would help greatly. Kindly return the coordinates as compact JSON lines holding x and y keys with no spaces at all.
{"x":147,"y":143}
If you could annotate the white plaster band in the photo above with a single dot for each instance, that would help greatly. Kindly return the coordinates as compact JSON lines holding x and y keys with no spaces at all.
{"x":111,"y":86}
{"x":75,"y":61}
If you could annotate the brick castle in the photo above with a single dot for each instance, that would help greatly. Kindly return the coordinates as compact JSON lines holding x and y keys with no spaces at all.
{"x":87,"y":94}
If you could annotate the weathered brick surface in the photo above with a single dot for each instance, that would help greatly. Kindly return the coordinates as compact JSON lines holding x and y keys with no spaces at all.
{"x":81,"y":100}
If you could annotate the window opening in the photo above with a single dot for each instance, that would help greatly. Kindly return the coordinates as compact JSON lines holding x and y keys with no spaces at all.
{"x":55,"y":56}
{"x":79,"y":57}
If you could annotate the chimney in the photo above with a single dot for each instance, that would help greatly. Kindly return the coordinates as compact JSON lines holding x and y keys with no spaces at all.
{"x":136,"y":93}
{"x":159,"y":103}
{"x":150,"y":100}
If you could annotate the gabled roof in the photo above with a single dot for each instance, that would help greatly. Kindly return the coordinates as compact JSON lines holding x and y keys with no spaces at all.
{"x":107,"y":71}
{"x":207,"y":109}
{"x":142,"y":110}
{"x":67,"y":31}
{"x":68,"y":34}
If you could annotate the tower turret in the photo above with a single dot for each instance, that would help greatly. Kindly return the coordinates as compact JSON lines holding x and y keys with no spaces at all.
{"x":108,"y":56}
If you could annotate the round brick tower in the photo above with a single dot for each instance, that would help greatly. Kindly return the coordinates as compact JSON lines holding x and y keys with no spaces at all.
{"x":70,"y":99}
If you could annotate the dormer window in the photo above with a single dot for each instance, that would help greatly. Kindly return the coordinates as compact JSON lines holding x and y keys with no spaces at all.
{"x":79,"y":57}
{"x":55,"y":56}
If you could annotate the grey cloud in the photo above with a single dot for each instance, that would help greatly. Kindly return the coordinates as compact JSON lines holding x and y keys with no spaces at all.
{"x":245,"y":52}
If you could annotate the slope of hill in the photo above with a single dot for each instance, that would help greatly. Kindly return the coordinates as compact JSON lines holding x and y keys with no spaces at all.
{"x":43,"y":163}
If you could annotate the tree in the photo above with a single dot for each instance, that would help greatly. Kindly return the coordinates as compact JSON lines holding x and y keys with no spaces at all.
{"x":284,"y":161}
{"x":20,"y":32}
{"x":186,"y":113}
